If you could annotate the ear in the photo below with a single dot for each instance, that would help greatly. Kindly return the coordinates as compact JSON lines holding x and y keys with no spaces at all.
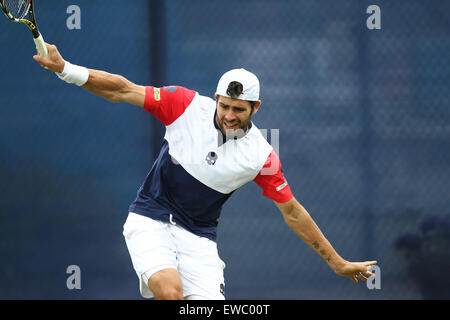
{"x":256,"y":108}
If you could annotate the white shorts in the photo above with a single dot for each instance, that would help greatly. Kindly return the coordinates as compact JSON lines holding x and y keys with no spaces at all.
{"x":155,"y":245}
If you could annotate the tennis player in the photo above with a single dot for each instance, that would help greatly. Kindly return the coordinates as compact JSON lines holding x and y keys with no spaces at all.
{"x":211,"y":148}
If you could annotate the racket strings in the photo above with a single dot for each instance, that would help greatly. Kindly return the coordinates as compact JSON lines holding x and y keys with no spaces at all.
{"x":17,"y":8}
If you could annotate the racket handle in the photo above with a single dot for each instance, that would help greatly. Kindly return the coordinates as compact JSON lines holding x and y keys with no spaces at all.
{"x":41,"y":47}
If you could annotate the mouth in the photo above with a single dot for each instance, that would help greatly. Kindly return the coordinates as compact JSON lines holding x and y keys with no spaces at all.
{"x":228,"y":126}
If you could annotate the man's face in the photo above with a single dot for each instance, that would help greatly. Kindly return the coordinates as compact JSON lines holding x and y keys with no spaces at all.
{"x":234,"y":114}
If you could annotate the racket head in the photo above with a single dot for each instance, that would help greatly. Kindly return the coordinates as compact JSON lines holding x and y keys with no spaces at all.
{"x":15,"y":9}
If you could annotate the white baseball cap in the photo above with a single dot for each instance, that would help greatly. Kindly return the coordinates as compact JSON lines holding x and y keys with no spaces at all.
{"x":249,"y":81}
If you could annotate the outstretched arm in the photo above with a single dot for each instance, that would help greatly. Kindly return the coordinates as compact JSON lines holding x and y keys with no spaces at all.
{"x":112,"y":87}
{"x":299,"y":220}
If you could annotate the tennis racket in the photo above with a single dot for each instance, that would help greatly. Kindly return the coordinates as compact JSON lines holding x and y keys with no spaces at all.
{"x":17,"y":10}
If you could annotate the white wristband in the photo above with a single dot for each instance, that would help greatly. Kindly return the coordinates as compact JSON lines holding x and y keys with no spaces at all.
{"x":74,"y":74}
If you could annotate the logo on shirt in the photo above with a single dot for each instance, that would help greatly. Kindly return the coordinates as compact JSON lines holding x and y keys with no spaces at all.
{"x":157,"y":92}
{"x":211,"y":158}
{"x":282,"y":186}
{"x":170,"y":89}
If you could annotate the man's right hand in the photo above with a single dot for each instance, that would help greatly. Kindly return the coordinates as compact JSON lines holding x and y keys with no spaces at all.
{"x":54,"y":61}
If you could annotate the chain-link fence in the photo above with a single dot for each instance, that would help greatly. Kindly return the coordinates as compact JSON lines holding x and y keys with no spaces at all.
{"x":364,"y":135}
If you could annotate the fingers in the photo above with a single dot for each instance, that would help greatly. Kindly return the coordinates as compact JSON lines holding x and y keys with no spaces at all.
{"x":51,"y":48}
{"x":367,"y":272}
{"x":359,"y":270}
{"x":362,"y":277}
{"x":39,"y":59}
{"x":37,"y":56}
{"x":367,"y":263}
{"x":365,"y":268}
{"x":364,"y":271}
{"x":53,"y":61}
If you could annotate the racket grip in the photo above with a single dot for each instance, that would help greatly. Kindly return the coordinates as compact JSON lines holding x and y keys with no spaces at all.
{"x":41,"y":47}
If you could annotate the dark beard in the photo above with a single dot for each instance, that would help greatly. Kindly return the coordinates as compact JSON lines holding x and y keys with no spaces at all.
{"x":232,"y":133}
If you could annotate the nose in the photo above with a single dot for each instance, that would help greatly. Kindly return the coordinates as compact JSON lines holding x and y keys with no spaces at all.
{"x":230,"y":116}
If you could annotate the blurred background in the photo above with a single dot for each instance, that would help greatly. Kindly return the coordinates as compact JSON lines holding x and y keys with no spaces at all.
{"x":364,"y":139}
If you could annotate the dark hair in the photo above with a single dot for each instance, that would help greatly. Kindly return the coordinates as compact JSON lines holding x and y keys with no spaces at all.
{"x":235,"y":89}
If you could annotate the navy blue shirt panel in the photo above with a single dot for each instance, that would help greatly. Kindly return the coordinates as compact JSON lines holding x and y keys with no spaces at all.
{"x":169,"y":190}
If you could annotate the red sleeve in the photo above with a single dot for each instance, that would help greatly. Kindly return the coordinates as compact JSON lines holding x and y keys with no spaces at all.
{"x":272,"y":180}
{"x":167,"y":103}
